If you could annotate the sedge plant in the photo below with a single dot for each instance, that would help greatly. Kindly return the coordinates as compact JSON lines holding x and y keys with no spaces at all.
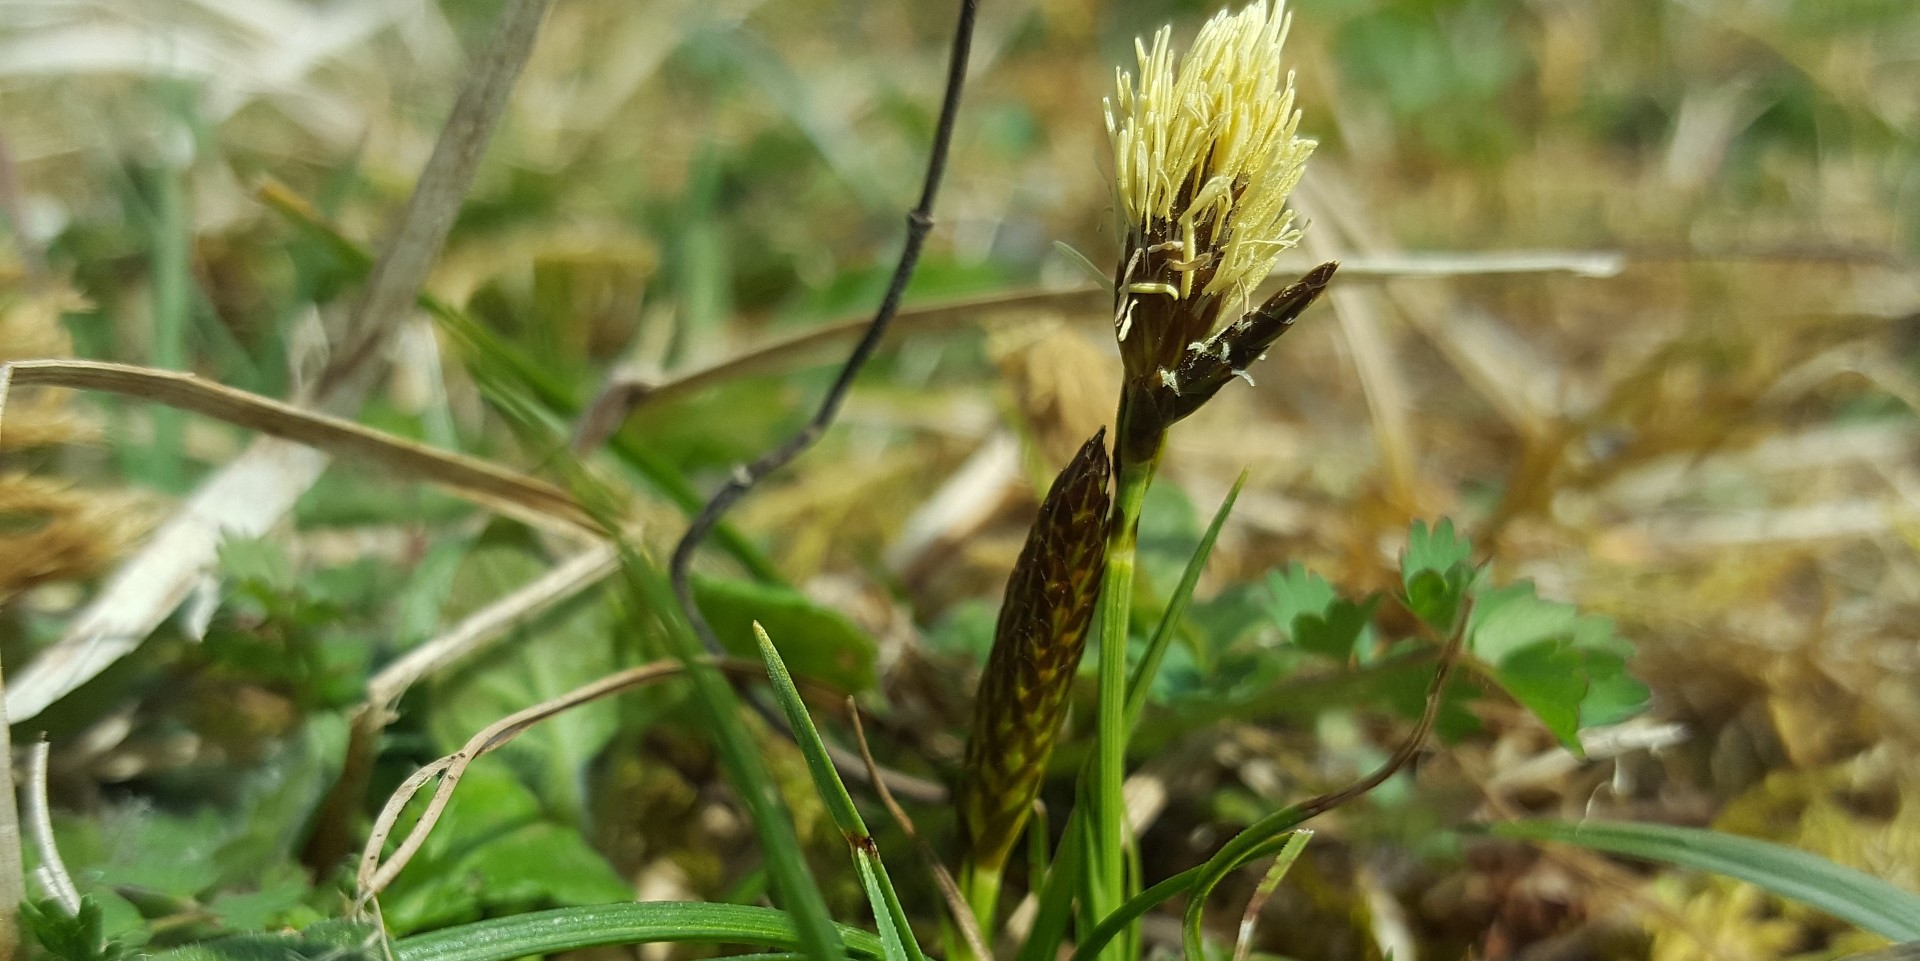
{"x":1206,"y":152}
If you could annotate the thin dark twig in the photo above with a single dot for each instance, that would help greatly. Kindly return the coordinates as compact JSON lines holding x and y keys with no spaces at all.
{"x":919,"y":223}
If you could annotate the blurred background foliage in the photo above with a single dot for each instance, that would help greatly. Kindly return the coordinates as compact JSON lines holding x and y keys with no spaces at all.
{"x":1709,"y":439}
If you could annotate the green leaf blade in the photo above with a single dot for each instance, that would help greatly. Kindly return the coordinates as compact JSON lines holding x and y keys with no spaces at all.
{"x":826,"y":780}
{"x":1141,"y":684}
{"x":645,"y":922}
{"x":1852,"y":896}
{"x":819,"y":641}
{"x":896,"y":935}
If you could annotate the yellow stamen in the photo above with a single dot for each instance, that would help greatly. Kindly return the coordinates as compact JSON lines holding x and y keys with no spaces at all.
{"x":1219,"y":126}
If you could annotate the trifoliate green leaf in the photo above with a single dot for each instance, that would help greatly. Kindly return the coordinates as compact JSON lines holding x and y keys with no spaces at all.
{"x":1567,"y":668}
{"x":1334,"y":633}
{"x":1297,"y":591}
{"x":1437,"y":550}
{"x":1549,"y":679}
{"x":1435,"y":596}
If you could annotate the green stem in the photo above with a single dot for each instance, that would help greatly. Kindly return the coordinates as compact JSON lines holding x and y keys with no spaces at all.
{"x":980,"y":886}
{"x":1102,"y":935}
{"x":1107,"y":861}
{"x":1056,"y":894}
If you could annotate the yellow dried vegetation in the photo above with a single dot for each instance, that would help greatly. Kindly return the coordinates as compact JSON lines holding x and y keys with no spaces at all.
{"x":51,"y":529}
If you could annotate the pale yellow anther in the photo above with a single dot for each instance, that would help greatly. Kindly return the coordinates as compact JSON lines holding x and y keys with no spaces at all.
{"x":1220,"y":125}
{"x":1146,"y":287}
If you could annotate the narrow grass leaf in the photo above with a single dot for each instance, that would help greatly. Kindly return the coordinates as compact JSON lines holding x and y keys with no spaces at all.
{"x":172,"y":283}
{"x":1282,"y":863}
{"x":538,"y":933}
{"x":1094,"y":941}
{"x":826,"y":780}
{"x":896,"y":935}
{"x":1149,"y":665}
{"x":740,"y":756}
{"x":1050,"y":923}
{"x":1852,"y":896}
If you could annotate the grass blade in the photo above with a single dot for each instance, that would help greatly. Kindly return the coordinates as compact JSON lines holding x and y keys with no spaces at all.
{"x":1243,"y":946}
{"x":1852,"y":896}
{"x":826,"y":780}
{"x":1056,"y":895}
{"x":1138,"y":905}
{"x":1105,"y":881}
{"x":896,"y":936}
{"x":740,"y":757}
{"x":1142,"y":680}
{"x":172,"y":279}
{"x":646,"y":922}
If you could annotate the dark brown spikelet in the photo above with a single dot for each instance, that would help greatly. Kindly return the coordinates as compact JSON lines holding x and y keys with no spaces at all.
{"x":1160,"y":397}
{"x":1229,"y":353}
{"x":1036,"y":649}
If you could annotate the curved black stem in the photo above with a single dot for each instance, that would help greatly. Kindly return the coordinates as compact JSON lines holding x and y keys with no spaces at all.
{"x":919,"y":223}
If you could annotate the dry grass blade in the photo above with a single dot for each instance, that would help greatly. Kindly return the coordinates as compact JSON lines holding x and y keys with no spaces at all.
{"x":1496,"y":363}
{"x":253,"y":492}
{"x":52,"y":872}
{"x":436,"y":198}
{"x":471,"y":635}
{"x":374,"y":874}
{"x":1388,"y":266}
{"x":245,"y":499}
{"x":1380,"y":376}
{"x":334,"y":825}
{"x":483,"y":482}
{"x":624,"y":394}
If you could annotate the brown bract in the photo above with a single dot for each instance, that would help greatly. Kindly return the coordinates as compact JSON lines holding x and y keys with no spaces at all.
{"x":1155,"y":401}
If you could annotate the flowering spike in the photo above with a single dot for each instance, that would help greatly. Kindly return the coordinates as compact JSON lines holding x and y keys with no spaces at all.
{"x":1037,"y":644}
{"x":1206,"y":153}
